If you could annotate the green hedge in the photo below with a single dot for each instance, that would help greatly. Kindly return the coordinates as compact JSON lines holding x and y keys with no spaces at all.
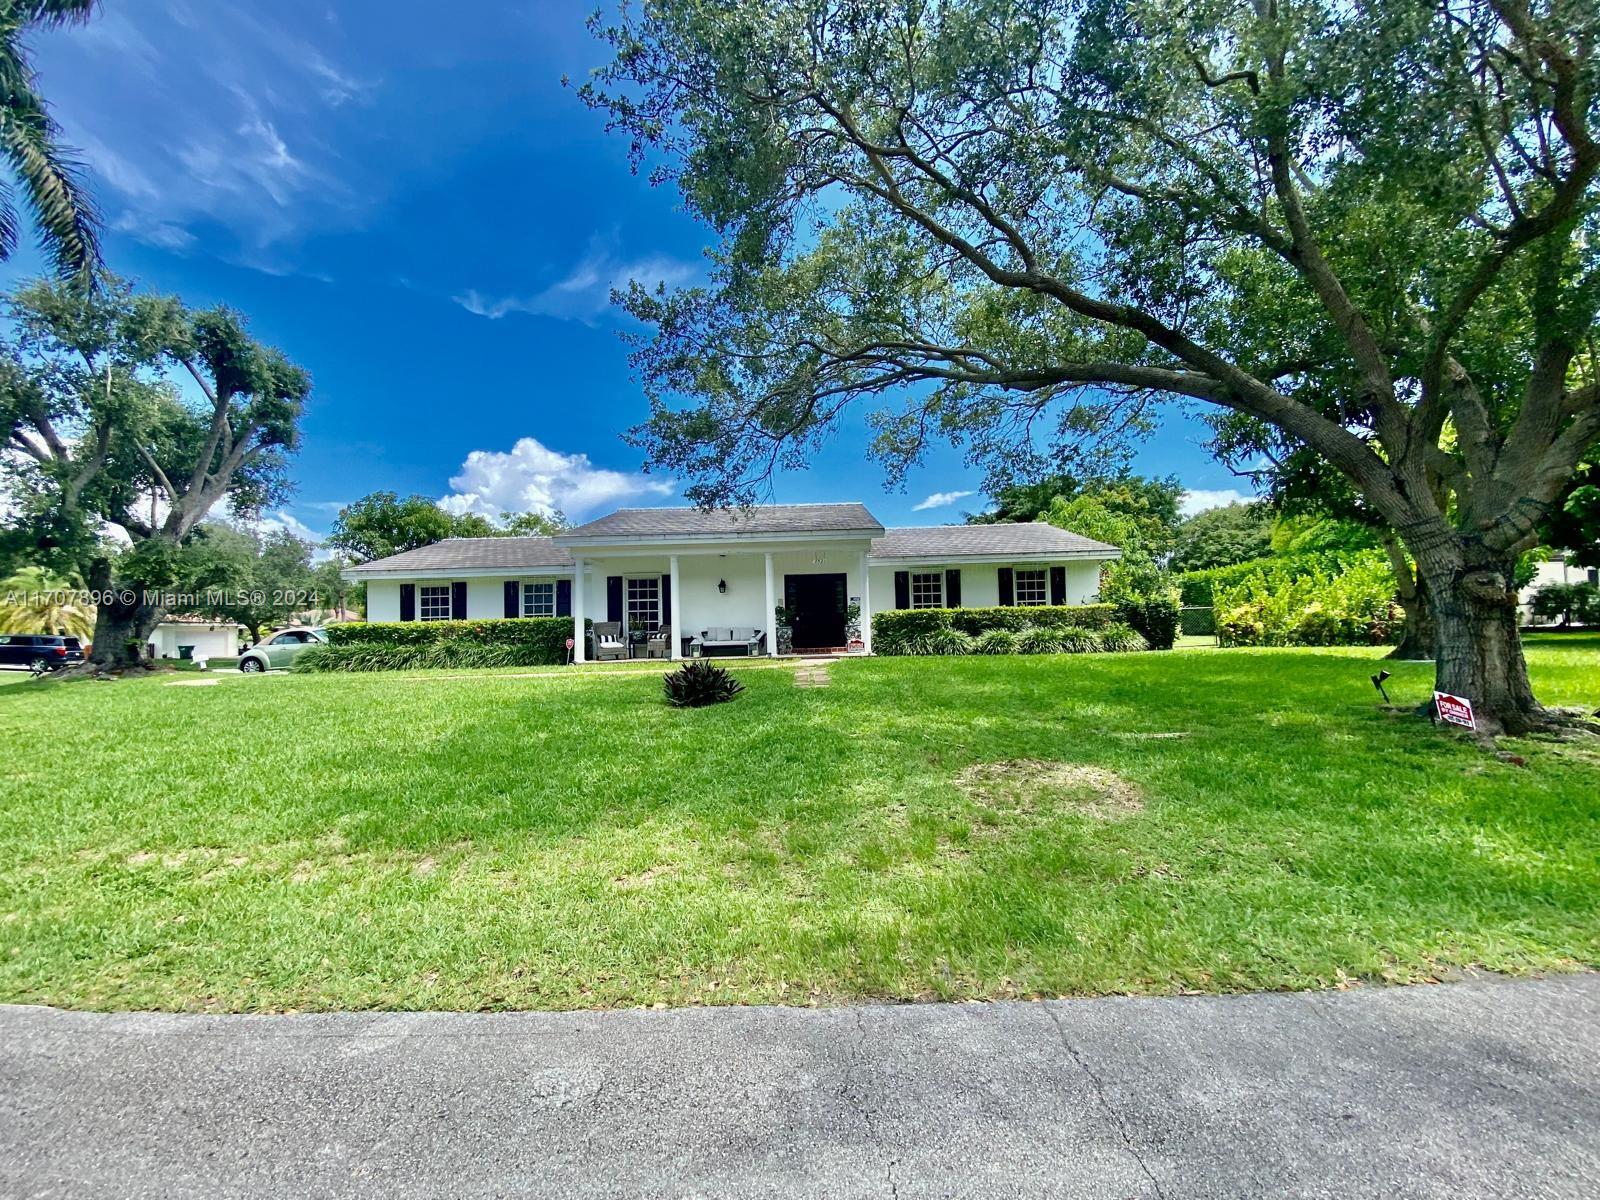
{"x":527,"y":641}
{"x":1198,"y":588}
{"x":1280,"y":606}
{"x":977,"y":630}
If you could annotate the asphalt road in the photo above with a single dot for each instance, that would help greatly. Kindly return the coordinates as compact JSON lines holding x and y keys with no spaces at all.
{"x":1485,"y":1089}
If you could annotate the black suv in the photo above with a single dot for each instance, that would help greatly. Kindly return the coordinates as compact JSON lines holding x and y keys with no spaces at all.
{"x":39,"y":651}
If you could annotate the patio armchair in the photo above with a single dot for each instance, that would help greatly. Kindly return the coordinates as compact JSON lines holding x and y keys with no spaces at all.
{"x":659,"y":643}
{"x":609,"y":641}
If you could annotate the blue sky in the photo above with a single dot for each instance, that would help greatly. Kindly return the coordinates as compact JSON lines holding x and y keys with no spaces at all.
{"x":418,"y":212}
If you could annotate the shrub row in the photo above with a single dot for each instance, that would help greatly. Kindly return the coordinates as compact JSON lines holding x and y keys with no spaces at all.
{"x":892,"y":630}
{"x":1030,"y":639}
{"x":532,"y":641}
{"x":373,"y":656}
{"x":1281,"y":606}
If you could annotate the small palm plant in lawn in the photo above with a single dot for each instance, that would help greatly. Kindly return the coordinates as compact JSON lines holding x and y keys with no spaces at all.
{"x":699,"y":684}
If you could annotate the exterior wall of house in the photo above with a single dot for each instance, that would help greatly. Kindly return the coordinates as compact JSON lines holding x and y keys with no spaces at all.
{"x":383,"y":600}
{"x":485,"y":595}
{"x":980,"y":582}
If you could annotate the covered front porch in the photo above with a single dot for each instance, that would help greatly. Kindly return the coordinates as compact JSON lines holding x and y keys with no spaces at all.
{"x":691,"y":600}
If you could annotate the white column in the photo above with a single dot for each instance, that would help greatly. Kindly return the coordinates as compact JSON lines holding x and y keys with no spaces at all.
{"x":677,"y":608}
{"x":579,"y":608}
{"x":866,"y":603}
{"x":772,"y":616}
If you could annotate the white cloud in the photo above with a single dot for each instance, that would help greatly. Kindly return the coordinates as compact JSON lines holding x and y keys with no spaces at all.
{"x":531,"y":477}
{"x":940,"y":500}
{"x":1196,"y":500}
{"x":584,"y":293}
{"x":153,"y":232}
{"x":283,"y":519}
{"x":231,"y":128}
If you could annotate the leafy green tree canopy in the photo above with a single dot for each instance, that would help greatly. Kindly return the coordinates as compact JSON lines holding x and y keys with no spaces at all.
{"x":130,"y":410}
{"x":1222,"y":536}
{"x":256,"y":579}
{"x":1020,"y":226}
{"x":382,"y":524}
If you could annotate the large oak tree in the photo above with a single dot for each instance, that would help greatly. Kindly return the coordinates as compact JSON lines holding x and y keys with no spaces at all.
{"x":129,"y":411}
{"x":1023,"y":224}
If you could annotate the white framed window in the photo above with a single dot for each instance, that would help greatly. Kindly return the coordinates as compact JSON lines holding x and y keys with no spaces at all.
{"x":927,"y":589}
{"x":1030,"y":585}
{"x":433,"y":602}
{"x":644,"y":602}
{"x":538,"y":599}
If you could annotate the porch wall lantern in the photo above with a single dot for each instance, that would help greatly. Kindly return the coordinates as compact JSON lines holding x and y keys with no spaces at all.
{"x":722,"y":585}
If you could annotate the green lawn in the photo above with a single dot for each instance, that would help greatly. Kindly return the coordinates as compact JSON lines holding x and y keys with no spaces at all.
{"x":431,"y":841}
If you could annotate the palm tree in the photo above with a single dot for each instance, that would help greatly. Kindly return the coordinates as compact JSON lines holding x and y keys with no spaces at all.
{"x":68,"y":226}
{"x":35,"y":601}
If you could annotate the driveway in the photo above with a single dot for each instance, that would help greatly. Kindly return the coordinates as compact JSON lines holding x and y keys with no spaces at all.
{"x":1484,"y":1088}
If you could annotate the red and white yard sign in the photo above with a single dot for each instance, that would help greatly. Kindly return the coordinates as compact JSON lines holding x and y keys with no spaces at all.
{"x":1455,"y":710}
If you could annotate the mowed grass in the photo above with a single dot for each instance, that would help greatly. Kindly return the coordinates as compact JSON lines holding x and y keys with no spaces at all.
{"x":432,"y":842}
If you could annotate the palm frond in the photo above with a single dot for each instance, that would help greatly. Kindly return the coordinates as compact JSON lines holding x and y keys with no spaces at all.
{"x":68,"y":224}
{"x":51,"y":14}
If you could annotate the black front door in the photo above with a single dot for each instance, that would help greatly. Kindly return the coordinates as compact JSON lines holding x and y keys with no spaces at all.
{"x":816,"y":605}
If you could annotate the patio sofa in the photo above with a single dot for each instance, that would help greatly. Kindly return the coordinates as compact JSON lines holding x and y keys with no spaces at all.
{"x":734,"y":640}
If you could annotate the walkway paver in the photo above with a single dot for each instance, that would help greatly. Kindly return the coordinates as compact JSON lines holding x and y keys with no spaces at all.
{"x":1482,"y":1089}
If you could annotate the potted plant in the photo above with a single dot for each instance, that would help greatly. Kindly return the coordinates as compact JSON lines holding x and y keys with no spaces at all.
{"x":852,"y":628}
{"x":784,"y":631}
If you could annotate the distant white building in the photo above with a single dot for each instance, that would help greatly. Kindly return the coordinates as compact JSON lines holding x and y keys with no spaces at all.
{"x":1555,"y":570}
{"x":204,"y":638}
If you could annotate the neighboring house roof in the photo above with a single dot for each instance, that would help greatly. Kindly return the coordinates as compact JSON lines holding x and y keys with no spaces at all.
{"x":768,"y":519}
{"x":471,"y":554}
{"x":192,"y":619}
{"x":1011,"y":540}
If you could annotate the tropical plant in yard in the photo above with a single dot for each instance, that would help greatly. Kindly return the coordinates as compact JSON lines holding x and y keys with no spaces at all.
{"x":995,"y":641}
{"x":30,"y":142}
{"x":699,"y":683}
{"x":1019,"y":226}
{"x":35,"y":601}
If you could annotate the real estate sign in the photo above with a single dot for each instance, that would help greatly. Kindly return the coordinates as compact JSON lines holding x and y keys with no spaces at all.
{"x":1455,"y":710}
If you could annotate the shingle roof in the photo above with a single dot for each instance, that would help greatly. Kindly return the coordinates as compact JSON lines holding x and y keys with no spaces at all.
{"x":985,"y":541}
{"x":722,"y":522}
{"x":456,"y":554}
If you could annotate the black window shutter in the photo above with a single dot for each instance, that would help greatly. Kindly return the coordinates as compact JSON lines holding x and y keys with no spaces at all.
{"x":613,"y":597}
{"x":458,"y":601}
{"x":902,"y":589}
{"x":1058,"y":585}
{"x":789,"y":595}
{"x":1008,"y":595}
{"x":513,"y":598}
{"x":952,"y":588}
{"x":666,"y":599}
{"x":563,"y":597}
{"x":408,"y":602}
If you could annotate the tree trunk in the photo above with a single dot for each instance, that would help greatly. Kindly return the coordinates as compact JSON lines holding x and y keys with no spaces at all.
{"x":1479,"y":651}
{"x":1417,"y":640}
{"x":122,"y":622}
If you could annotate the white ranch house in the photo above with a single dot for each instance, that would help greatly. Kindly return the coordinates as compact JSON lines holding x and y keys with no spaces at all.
{"x":694,"y":572}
